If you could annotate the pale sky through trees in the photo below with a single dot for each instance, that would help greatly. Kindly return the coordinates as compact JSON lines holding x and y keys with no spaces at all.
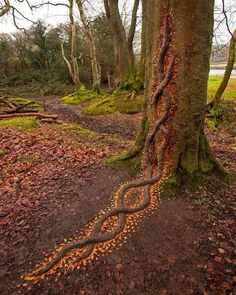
{"x":55,"y":15}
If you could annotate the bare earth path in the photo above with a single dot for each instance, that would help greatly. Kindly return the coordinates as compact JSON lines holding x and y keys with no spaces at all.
{"x":118,"y":124}
{"x":53,"y":183}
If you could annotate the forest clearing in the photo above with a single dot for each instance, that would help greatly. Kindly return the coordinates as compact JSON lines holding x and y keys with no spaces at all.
{"x":117,"y":148}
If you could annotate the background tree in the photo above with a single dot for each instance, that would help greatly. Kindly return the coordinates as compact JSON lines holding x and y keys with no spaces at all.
{"x":143,"y":40}
{"x":123,"y":43}
{"x":73,"y":63}
{"x":6,"y":52}
{"x":104,"y":45}
{"x":40,"y":49}
{"x":96,"y":70}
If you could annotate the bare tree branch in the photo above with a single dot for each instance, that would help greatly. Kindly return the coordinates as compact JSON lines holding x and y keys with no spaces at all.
{"x":5,"y":8}
{"x":50,"y":3}
{"x":226,"y":19}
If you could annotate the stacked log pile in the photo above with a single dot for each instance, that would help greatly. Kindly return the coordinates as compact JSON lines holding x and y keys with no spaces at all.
{"x":12,"y":109}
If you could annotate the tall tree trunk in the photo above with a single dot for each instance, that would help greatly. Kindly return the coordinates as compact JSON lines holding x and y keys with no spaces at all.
{"x":74,"y":59}
{"x":72,"y":64}
{"x":143,"y":40}
{"x":96,"y":70}
{"x":119,"y":39}
{"x":123,"y":46}
{"x":130,"y":38}
{"x":230,"y":64}
{"x":187,"y":39}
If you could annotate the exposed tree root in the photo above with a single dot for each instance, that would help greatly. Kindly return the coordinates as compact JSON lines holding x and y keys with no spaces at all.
{"x":153,"y":173}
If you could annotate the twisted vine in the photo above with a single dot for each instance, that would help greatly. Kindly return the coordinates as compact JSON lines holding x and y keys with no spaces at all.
{"x":120,"y":211}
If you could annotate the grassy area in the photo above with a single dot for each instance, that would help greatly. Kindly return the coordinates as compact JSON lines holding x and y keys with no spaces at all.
{"x":26,"y":124}
{"x":214,"y":83}
{"x":29,"y":124}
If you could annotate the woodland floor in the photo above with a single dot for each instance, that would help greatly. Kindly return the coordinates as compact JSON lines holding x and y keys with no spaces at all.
{"x":53,"y":182}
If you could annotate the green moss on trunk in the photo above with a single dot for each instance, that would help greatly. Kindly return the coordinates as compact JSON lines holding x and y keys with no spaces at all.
{"x":133,"y":157}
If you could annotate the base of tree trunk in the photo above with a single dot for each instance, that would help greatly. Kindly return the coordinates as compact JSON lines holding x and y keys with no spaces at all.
{"x":96,"y":89}
{"x":181,"y":178}
{"x":209,"y":169}
{"x":182,"y":181}
{"x":132,"y":158}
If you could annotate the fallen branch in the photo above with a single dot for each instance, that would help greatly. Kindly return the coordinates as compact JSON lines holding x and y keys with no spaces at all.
{"x":38,"y":115}
{"x":9,"y":103}
{"x":27,"y":111}
{"x":18,"y":108}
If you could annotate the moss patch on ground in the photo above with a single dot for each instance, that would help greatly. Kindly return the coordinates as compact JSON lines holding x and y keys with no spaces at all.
{"x":124,"y":102}
{"x":214,"y":83}
{"x":75,"y":128}
{"x":82,"y":95}
{"x":26,"y":124}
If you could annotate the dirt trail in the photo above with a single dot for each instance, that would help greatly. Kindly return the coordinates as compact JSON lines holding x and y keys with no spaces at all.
{"x":116,"y":124}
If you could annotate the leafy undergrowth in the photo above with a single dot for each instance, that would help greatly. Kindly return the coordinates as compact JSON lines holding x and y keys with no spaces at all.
{"x":34,"y":83}
{"x":214,"y":83}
